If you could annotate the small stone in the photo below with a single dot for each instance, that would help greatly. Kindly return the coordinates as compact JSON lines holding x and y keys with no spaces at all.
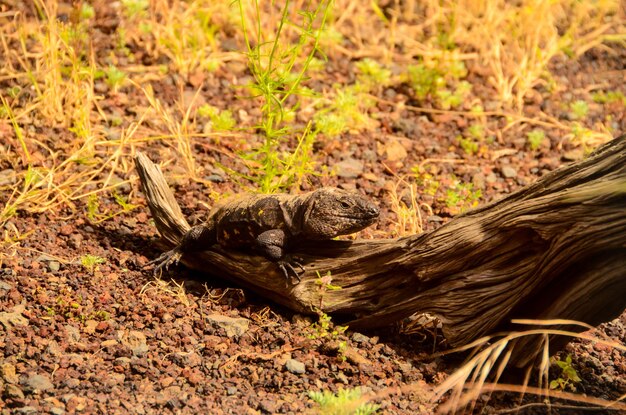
{"x":73,"y":334}
{"x":360,"y":338}
{"x":114,"y":379}
{"x":75,"y":240}
{"x":479,"y":181}
{"x":7,"y":372}
{"x":5,"y":286}
{"x":14,"y":318}
{"x":295,"y":366}
{"x":54,"y":266}
{"x":13,"y":392}
{"x":36,"y":383}
{"x":342,"y":378}
{"x":573,"y":155}
{"x":109,"y":343}
{"x":7,"y":177}
{"x":135,"y":341}
{"x":72,"y":383}
{"x":90,"y":326}
{"x":234,"y":327}
{"x":268,"y":406}
{"x":434,"y":219}
{"x":231,"y":390}
{"x":491,"y":178}
{"x":509,"y":172}
{"x":165,"y":382}
{"x":353,"y":356}
{"x":26,"y":410}
{"x":393,"y":150}
{"x":57,"y":411}
{"x":405,"y":367}
{"x":215,"y":178}
{"x":349,"y":168}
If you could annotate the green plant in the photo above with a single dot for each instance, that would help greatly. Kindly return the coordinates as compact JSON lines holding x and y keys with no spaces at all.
{"x":579,"y":109}
{"x":345,"y":109}
{"x":452,"y":99}
{"x":90,"y":262}
{"x":114,"y":77}
{"x":372,"y":73}
{"x":568,"y":376}
{"x":279,"y":67}
{"x":462,"y":196}
{"x":535,"y":139}
{"x":134,"y":8}
{"x":609,"y":97}
{"x":440,"y":79}
{"x":220,"y":120}
{"x":344,"y":402}
{"x":425,"y":80}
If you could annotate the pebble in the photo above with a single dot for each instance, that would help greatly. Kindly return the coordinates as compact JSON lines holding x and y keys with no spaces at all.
{"x":349,"y":168}
{"x":13,"y":392}
{"x":215,"y":178}
{"x":295,"y":366}
{"x":73,"y":333}
{"x":509,"y":172}
{"x":491,"y":178}
{"x":268,"y":406}
{"x":342,"y":378}
{"x":39,"y":383}
{"x":26,"y":410}
{"x":360,"y":338}
{"x":72,"y":383}
{"x":573,"y":155}
{"x":135,"y":341}
{"x":234,"y":327}
{"x":7,"y":372}
{"x":7,"y":177}
{"x":54,"y":266}
{"x":5,"y":286}
{"x":75,"y":240}
{"x":57,"y":411}
{"x":231,"y":390}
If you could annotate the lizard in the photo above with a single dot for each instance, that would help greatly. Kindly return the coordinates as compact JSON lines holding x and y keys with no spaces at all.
{"x":272,"y":224}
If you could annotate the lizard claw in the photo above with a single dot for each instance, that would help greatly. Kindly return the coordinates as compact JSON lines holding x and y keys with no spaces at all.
{"x":287,"y":268}
{"x":166,"y":259}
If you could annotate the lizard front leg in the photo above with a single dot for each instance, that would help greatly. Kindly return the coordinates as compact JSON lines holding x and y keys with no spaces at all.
{"x":272,"y":245}
{"x":196,"y":239}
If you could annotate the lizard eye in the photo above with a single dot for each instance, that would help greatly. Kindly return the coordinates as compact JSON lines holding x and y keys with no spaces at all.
{"x":344,"y":205}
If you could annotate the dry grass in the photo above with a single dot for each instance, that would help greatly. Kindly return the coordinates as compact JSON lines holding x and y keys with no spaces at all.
{"x":50,"y":73}
{"x":482,"y":371}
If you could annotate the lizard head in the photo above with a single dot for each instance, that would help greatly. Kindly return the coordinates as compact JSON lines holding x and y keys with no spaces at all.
{"x":332,"y":212}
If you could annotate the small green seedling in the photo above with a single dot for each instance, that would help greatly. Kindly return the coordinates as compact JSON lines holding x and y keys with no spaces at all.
{"x":579,"y":109}
{"x":91,"y":262}
{"x":535,"y":139}
{"x":220,"y":120}
{"x":344,"y":402}
{"x":568,"y":377}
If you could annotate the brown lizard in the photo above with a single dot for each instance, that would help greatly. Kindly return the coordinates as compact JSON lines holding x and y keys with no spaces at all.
{"x":273,"y":224}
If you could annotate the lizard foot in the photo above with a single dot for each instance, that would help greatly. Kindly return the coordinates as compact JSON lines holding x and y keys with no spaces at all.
{"x":288,"y":270}
{"x":166,"y":259}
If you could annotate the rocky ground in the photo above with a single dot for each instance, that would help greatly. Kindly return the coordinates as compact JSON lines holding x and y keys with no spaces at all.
{"x":86,"y":328}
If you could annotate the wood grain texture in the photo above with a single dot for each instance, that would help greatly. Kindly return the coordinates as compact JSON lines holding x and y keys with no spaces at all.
{"x":554,"y":249}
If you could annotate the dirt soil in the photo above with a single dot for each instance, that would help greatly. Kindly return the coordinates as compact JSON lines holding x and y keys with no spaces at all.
{"x":110,"y":338}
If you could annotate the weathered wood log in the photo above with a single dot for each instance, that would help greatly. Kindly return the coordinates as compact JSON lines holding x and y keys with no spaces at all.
{"x":554,"y":249}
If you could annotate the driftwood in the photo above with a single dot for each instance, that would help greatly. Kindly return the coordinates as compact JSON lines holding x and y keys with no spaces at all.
{"x":554,"y":249}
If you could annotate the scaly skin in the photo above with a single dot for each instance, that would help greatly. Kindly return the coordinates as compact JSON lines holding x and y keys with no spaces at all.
{"x":272,"y":224}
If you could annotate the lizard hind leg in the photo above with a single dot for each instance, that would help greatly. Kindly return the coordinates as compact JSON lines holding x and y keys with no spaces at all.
{"x":166,"y":259}
{"x":196,"y":239}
